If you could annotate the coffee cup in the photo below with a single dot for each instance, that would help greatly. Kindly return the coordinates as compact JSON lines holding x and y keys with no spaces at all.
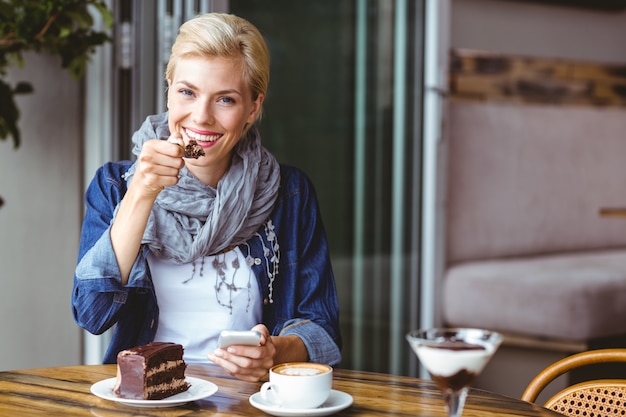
{"x":298,"y":385}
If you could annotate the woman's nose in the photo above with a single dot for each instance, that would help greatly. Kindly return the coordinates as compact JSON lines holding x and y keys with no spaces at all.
{"x":203,"y":114}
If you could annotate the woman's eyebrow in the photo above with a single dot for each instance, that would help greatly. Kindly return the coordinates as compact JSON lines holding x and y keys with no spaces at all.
{"x":228,"y":91}
{"x":220,"y":92}
{"x":187,"y":84}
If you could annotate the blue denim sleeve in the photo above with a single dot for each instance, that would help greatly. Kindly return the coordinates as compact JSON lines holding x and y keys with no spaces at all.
{"x":320,"y":346}
{"x":98,"y":295}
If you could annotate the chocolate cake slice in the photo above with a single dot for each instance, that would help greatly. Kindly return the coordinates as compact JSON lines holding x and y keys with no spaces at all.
{"x":151,"y":372}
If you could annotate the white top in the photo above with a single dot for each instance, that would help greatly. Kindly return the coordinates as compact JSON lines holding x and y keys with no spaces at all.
{"x":198,"y":300}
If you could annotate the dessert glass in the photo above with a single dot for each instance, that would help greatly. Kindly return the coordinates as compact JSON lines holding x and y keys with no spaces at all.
{"x":454,"y":357}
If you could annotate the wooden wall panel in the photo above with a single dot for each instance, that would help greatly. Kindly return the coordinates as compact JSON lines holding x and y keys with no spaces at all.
{"x":477,"y":75}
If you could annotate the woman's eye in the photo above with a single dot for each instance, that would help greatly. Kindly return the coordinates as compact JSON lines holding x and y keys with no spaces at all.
{"x":186,"y":92}
{"x":226,"y":100}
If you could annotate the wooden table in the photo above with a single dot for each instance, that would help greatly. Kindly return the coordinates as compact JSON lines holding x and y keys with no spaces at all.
{"x":65,"y":391}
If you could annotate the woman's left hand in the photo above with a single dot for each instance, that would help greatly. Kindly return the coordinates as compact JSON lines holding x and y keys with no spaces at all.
{"x":248,"y":363}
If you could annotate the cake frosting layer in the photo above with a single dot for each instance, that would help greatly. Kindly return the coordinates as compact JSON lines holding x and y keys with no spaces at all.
{"x":156,"y":391}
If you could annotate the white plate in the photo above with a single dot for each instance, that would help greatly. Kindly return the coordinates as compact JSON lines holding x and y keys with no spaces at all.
{"x":336,"y":402}
{"x":198,"y":390}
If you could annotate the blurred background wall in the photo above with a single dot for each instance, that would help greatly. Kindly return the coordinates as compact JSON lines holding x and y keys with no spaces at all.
{"x":41,"y":184}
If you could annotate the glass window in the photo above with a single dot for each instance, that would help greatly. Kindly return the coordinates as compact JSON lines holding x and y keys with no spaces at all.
{"x":343,"y":105}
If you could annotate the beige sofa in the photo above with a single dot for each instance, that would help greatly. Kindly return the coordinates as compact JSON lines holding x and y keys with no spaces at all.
{"x":527,"y":252}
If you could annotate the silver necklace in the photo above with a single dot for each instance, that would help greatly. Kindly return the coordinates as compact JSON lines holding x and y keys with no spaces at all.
{"x":224,"y":288}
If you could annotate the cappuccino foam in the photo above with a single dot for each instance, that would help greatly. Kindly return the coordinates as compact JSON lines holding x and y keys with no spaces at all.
{"x":299,"y":371}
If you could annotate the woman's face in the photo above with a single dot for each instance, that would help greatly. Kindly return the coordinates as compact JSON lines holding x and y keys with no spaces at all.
{"x":209,"y":101}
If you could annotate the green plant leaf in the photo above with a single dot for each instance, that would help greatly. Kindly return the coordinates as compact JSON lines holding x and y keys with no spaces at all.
{"x":9,"y":114}
{"x":105,"y":13}
{"x":59,"y":27}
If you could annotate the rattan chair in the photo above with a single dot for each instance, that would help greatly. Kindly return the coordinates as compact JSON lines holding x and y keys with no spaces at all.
{"x":593,"y":398}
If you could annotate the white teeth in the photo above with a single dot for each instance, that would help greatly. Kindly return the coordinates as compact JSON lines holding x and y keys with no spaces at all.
{"x":201,"y":138}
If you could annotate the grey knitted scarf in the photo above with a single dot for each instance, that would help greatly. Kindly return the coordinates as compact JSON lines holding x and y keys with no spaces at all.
{"x":191,"y":220}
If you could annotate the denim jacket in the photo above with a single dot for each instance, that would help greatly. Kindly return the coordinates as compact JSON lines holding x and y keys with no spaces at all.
{"x":299,"y":299}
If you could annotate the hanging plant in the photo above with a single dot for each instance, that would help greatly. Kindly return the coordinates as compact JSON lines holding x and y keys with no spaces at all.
{"x":58,"y":27}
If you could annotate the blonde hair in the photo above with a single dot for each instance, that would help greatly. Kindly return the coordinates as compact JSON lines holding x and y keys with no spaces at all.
{"x":225,"y":35}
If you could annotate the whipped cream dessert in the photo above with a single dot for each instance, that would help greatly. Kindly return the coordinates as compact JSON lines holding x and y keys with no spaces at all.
{"x":445,"y":362}
{"x":454,"y":366}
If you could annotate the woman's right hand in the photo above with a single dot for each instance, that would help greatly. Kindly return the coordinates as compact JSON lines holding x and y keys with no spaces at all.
{"x":158,"y":165}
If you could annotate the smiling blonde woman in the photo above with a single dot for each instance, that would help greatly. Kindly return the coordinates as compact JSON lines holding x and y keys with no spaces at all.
{"x":177,"y":249}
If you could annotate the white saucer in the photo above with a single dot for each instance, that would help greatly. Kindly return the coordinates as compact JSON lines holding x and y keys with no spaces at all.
{"x":199,"y":389}
{"x":336,"y":402}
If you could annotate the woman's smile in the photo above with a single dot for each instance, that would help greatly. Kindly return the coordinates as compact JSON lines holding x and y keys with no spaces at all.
{"x":204,"y":139}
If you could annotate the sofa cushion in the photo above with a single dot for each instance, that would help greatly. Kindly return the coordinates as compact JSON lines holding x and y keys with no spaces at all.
{"x":529,"y":179}
{"x":576,"y":296}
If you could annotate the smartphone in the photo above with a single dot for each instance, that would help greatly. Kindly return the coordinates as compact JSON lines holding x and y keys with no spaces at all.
{"x":238,"y":337}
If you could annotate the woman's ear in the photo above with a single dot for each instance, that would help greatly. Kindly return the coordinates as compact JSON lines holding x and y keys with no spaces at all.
{"x":257,"y":105}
